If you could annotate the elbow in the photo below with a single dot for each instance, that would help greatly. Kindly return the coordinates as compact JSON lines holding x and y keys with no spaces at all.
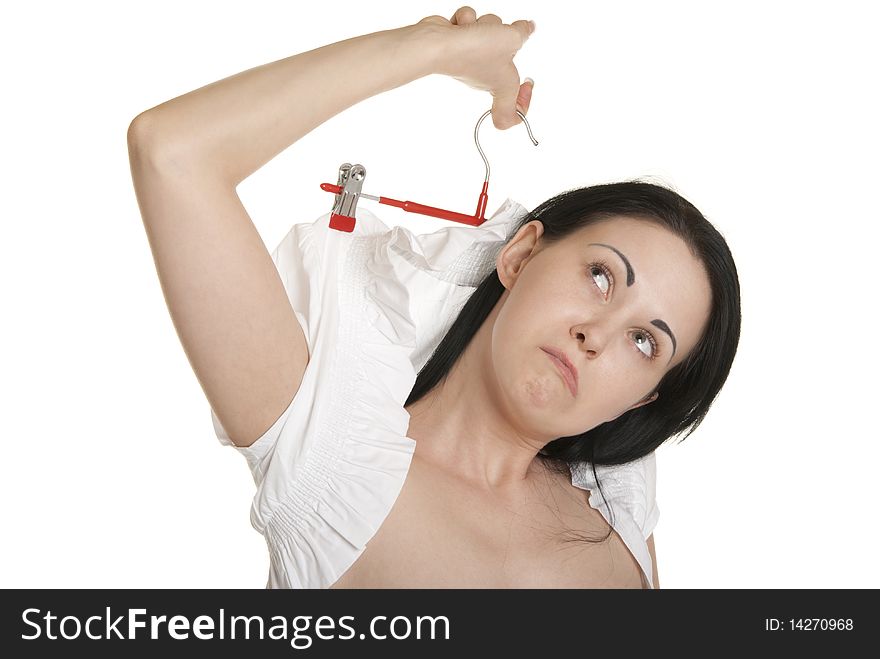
{"x":143,"y":137}
{"x":148,"y":146}
{"x":143,"y":149}
{"x":138,"y":131}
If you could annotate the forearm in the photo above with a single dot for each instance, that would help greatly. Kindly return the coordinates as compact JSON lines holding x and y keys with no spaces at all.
{"x":234,"y":126}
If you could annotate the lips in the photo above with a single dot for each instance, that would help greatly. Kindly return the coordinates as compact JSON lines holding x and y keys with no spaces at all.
{"x":565,"y":366}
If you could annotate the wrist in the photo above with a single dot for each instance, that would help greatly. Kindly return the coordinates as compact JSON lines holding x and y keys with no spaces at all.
{"x":422,"y":42}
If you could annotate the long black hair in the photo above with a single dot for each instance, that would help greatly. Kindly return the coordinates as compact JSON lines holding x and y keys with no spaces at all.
{"x":686,"y":391}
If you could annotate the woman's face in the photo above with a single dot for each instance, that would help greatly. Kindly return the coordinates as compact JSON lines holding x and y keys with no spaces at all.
{"x":611,"y":297}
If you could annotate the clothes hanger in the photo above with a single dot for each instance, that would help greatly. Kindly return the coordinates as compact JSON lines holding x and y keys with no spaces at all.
{"x":351,"y":180}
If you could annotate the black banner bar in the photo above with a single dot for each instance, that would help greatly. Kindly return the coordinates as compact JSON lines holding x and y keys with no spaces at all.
{"x":402,"y":622}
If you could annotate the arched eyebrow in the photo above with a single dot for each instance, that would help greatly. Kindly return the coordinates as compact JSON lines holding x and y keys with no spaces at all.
{"x":630,"y":280}
{"x":659,"y":323}
{"x":630,"y":275}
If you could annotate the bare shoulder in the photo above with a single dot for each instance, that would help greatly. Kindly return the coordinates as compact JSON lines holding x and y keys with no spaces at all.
{"x":608,"y":564}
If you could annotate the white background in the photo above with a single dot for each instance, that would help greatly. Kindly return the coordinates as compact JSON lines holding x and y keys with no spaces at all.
{"x":763,"y":114}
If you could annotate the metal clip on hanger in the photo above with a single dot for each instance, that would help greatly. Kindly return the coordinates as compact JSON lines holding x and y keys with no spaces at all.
{"x":351,"y":180}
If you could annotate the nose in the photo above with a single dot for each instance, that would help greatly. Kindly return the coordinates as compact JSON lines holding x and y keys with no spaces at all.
{"x":592,"y":340}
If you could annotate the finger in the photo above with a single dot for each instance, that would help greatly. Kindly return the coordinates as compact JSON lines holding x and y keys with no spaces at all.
{"x":435,"y":19}
{"x":525,"y":96}
{"x":525,"y":28}
{"x":463,"y":15}
{"x":504,"y":105}
{"x":489,"y":18}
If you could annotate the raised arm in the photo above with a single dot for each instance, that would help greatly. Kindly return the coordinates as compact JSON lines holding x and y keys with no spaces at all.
{"x":232,"y":127}
{"x":187,"y":156}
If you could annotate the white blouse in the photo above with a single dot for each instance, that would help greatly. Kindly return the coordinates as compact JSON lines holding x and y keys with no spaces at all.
{"x":373,"y":304}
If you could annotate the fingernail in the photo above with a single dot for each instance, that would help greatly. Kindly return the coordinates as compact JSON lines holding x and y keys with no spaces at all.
{"x":530,"y":80}
{"x":532,"y":23}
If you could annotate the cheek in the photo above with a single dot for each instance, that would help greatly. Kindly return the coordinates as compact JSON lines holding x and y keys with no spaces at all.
{"x":519,"y":321}
{"x":617,"y":381}
{"x":525,"y":377}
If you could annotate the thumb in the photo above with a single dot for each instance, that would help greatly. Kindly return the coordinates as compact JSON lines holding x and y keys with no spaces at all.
{"x":505,"y":105}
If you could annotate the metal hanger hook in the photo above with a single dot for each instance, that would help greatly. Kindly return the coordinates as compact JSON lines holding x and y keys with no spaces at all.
{"x":477,"y":137}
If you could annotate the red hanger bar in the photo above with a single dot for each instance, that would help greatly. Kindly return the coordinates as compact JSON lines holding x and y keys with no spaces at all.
{"x":412,"y":207}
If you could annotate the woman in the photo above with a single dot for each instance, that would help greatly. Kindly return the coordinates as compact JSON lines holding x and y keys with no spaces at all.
{"x":609,"y":325}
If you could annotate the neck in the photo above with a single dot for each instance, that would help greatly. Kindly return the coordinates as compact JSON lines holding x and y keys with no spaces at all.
{"x":463,"y":427}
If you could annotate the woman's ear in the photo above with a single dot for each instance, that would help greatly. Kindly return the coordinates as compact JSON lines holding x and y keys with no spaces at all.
{"x":651,"y":398}
{"x":644,"y":401}
{"x":523,"y":245}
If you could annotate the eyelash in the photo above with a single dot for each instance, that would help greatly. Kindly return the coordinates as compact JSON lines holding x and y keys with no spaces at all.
{"x":602,"y":265}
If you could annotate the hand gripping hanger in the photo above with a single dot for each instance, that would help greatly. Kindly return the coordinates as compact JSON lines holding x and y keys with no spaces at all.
{"x":351,"y":180}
